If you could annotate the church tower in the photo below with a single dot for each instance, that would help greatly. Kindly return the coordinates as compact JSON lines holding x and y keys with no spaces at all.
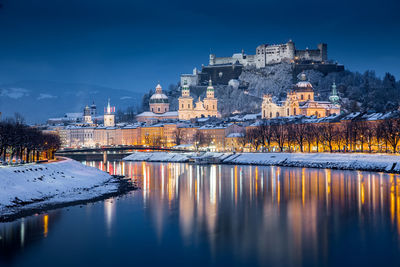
{"x":334,"y":98}
{"x":109,"y":117}
{"x":210,"y":90}
{"x":185,"y":110}
{"x":87,"y":116}
{"x":210,"y":102}
{"x":93,"y":110}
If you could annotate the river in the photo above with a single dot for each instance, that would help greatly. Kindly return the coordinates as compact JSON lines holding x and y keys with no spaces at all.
{"x":219,"y":215}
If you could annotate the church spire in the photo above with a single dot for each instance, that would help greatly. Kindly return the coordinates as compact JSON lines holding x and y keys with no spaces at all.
{"x":334,"y":98}
{"x":210,"y":89}
{"x":185,"y":89}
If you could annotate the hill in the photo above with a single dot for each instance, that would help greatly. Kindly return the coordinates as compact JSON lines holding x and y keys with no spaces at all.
{"x":358,"y":92}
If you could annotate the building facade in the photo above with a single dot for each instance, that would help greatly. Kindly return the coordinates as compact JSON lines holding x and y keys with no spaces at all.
{"x":300,"y":101}
{"x":267,"y":54}
{"x":109,"y":116}
{"x":159,"y":108}
{"x":206,"y":108}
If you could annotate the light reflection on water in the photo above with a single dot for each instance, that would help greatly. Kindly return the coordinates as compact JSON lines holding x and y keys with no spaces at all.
{"x":243,"y":214}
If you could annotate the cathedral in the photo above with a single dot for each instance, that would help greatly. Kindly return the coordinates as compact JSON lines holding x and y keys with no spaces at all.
{"x":206,"y":108}
{"x":300,"y":101}
{"x":159,"y":108}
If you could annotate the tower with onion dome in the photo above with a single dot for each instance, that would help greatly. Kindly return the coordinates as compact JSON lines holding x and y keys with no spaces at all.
{"x":334,"y":98}
{"x":185,"y":103}
{"x":87,"y":117}
{"x":159,"y":103}
{"x":210,"y":102}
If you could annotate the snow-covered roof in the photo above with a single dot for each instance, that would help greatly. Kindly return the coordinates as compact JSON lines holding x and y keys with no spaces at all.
{"x":159,"y":96}
{"x":73,"y":115}
{"x":152,"y":114}
{"x":304,"y":84}
{"x":232,"y":135}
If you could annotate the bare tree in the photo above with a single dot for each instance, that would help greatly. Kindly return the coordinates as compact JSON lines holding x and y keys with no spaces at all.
{"x":279,"y":135}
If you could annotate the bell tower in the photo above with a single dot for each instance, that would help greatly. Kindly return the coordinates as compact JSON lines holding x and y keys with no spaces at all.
{"x":109,"y":117}
{"x":185,"y":110}
{"x":210,"y":102}
{"x":210,"y":90}
{"x":334,"y":98}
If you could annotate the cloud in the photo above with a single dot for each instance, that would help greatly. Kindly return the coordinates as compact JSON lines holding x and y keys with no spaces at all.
{"x":45,"y":96}
{"x":126,"y":97}
{"x":14,"y":93}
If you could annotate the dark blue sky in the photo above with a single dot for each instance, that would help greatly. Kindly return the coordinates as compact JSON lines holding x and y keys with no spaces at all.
{"x":133,"y":44}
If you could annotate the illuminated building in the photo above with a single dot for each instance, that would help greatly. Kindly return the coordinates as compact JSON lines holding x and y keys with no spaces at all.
{"x":300,"y":101}
{"x":109,"y":117}
{"x":159,"y":108}
{"x":206,"y":108}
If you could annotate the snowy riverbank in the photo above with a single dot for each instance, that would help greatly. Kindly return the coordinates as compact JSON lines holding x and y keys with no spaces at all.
{"x":31,"y":188}
{"x":366,"y":162}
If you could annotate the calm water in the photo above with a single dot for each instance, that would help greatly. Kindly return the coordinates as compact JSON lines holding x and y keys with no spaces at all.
{"x":239,"y":215}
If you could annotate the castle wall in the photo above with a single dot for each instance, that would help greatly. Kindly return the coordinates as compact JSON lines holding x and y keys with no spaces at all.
{"x":190,"y":79}
{"x":241,"y":58}
{"x":272,"y":54}
{"x":220,"y":74}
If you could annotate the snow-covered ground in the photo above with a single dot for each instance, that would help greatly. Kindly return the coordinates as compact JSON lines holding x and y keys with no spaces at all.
{"x":36,"y":186}
{"x":159,"y":157}
{"x":367,"y":162}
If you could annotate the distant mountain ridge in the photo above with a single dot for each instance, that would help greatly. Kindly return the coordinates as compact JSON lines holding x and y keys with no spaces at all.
{"x":39,"y":100}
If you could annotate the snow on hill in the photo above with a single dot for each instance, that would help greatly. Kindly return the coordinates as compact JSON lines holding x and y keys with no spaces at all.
{"x":35,"y":186}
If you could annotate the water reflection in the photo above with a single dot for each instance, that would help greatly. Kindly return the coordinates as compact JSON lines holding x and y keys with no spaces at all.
{"x":15,"y":236}
{"x":242,"y":214}
{"x":267,"y":212}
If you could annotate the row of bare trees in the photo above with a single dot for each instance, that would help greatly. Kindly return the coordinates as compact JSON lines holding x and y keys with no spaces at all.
{"x":345,"y":136}
{"x":25,"y":144}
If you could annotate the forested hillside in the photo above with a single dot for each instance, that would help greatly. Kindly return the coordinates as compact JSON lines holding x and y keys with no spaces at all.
{"x":358,"y":92}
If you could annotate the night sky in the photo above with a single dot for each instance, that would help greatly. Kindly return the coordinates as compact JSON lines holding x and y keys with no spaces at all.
{"x":133,"y":44}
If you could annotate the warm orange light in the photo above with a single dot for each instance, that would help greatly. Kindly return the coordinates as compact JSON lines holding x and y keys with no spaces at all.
{"x":45,"y":225}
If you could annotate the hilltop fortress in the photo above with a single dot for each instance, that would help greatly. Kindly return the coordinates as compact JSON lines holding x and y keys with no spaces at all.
{"x":267,"y":54}
{"x":222,"y":69}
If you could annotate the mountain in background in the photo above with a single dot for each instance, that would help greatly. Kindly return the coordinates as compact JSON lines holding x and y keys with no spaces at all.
{"x":37,"y":101}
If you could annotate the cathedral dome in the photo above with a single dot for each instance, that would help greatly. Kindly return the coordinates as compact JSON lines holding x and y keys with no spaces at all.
{"x":303,"y":84}
{"x":158,"y":97}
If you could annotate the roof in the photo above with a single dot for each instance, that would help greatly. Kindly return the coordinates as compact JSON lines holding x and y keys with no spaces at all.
{"x":152,"y":114}
{"x":159,"y":98}
{"x":232,"y":135}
